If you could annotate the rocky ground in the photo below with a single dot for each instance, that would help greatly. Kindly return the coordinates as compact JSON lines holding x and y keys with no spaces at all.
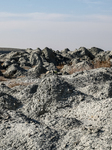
{"x":56,"y":100}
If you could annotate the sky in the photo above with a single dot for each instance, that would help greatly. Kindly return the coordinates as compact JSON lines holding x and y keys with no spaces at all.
{"x":57,"y":24}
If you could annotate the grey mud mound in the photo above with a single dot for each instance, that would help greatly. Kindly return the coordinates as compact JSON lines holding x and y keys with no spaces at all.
{"x":45,"y":107}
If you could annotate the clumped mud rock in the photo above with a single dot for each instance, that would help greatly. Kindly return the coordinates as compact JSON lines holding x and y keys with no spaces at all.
{"x":56,"y":100}
{"x":1,"y":73}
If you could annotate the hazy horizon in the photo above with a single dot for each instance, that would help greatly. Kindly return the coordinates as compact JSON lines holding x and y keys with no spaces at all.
{"x":56,"y":24}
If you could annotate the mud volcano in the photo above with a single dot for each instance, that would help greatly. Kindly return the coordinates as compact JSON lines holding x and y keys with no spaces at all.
{"x":55,"y":100}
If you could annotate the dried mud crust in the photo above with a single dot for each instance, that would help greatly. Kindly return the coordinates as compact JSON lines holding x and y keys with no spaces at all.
{"x":17,"y":81}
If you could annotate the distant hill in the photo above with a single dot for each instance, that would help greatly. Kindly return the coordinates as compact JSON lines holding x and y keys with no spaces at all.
{"x":7,"y":50}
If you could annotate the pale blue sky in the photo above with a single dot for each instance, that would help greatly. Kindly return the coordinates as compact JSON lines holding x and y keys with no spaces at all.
{"x":57,"y":24}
